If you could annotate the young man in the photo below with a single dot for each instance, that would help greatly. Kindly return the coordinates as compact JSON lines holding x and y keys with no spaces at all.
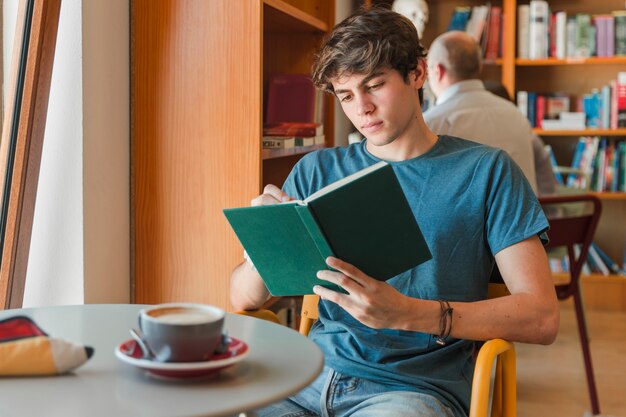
{"x":385,"y":349}
{"x":465,"y":108}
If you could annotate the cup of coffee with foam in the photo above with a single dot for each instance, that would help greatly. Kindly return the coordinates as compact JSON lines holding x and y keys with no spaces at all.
{"x":182,"y":332}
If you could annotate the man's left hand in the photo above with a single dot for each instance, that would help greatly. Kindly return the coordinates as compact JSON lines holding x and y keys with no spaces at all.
{"x":374,"y":303}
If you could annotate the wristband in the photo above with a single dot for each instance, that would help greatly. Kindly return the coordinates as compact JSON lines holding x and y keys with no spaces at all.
{"x":445,"y":322}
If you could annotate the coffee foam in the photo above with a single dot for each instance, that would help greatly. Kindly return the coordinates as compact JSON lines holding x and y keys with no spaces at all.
{"x":183,"y":315}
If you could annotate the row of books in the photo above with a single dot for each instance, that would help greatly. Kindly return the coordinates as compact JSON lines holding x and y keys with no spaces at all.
{"x":290,"y":134}
{"x":484,"y":23}
{"x":542,"y":33}
{"x":598,"y":262}
{"x":603,"y":108}
{"x":600,"y":164}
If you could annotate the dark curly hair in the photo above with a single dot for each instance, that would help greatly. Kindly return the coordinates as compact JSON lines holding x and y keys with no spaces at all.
{"x":366,"y":41}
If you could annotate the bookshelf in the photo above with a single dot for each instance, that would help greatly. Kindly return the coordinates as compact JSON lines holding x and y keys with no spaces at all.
{"x":577,"y":76}
{"x":199,"y":71}
{"x":574,"y":76}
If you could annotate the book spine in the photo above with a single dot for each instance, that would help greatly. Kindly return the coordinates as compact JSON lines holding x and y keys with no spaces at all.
{"x":493,"y":37}
{"x":619,"y":18}
{"x":613,"y":109}
{"x":541,"y":110}
{"x":621,"y":167}
{"x":570,"y":41}
{"x":555,"y":166}
{"x":309,"y":222}
{"x":561,"y":34}
{"x":538,"y":30}
{"x":601,"y":42}
{"x":552,"y":35}
{"x":532,"y":108}
{"x":615,"y":167}
{"x":605,"y":113}
{"x":597,"y":261}
{"x":522,"y":102}
{"x":610,"y":35}
{"x":523,"y":33}
{"x":278,"y":142}
{"x":621,"y":99}
{"x":459,"y":18}
{"x":583,"y":35}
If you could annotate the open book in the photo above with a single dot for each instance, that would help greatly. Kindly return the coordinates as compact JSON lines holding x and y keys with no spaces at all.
{"x":363,"y":219}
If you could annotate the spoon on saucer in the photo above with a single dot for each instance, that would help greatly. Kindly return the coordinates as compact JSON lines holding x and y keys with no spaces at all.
{"x":147,"y":353}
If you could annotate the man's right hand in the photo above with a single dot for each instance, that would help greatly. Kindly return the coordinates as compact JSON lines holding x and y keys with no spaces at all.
{"x":271,"y":195}
{"x":247,"y":289}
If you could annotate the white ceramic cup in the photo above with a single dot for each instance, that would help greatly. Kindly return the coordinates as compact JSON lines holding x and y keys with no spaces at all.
{"x":182,"y":332}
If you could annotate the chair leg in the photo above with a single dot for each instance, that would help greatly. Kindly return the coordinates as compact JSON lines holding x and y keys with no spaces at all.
{"x":584,"y":341}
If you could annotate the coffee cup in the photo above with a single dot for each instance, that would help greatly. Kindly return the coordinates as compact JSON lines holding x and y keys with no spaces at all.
{"x":182,"y":332}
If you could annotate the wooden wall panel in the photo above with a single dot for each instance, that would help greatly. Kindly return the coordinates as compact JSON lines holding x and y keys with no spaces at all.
{"x":196,"y":114}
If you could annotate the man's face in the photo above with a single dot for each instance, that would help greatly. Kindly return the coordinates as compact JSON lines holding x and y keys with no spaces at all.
{"x":381,"y":105}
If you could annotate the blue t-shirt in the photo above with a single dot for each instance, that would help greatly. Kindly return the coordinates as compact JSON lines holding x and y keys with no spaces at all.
{"x":470,"y":201}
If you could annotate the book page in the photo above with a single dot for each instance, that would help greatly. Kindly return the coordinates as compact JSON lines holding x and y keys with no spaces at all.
{"x":340,"y":183}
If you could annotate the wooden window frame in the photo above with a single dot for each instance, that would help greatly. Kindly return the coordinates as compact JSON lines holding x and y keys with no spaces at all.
{"x":22,"y":139}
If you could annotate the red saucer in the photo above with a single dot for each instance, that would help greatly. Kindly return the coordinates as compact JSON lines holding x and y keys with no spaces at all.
{"x":131,"y":353}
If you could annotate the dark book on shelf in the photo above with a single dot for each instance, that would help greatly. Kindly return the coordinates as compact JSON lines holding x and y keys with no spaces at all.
{"x":363,"y":219}
{"x":291,"y":98}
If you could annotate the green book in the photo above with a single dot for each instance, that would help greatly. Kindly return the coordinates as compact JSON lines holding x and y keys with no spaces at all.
{"x":363,"y":219}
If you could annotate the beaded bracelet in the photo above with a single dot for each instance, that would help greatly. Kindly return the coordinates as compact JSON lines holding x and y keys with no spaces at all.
{"x":445,"y":322}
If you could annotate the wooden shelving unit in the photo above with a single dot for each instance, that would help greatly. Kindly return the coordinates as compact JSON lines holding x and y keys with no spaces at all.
{"x":574,"y":76}
{"x":602,"y":292}
{"x":577,"y":76}
{"x":199,"y":70}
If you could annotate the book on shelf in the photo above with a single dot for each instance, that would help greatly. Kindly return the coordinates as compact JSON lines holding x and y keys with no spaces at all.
{"x":619,"y":23}
{"x":522,"y":102}
{"x":477,"y":22}
{"x":363,"y":219}
{"x":560,"y":35}
{"x":620,"y":97}
{"x":293,"y":129}
{"x":570,"y":37}
{"x":459,"y":18}
{"x":605,"y":107}
{"x":540,"y":111}
{"x":585,"y":36}
{"x":538,"y":29}
{"x":278,"y":142}
{"x":555,"y":167}
{"x":494,"y":33}
{"x":596,"y":262}
{"x":613,"y":266}
{"x":621,"y":166}
{"x":523,"y":33}
{"x":290,"y":98}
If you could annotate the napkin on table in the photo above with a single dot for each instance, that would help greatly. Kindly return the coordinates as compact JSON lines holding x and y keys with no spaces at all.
{"x":26,"y":350}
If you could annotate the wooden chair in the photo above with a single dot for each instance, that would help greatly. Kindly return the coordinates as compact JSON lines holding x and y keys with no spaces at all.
{"x":498,"y":351}
{"x":573,"y":221}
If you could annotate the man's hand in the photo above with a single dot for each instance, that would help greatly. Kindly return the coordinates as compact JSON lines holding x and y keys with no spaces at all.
{"x":374,"y":303}
{"x":271,"y":195}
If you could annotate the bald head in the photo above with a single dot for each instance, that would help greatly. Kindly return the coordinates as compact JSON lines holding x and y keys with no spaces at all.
{"x":458,"y":53}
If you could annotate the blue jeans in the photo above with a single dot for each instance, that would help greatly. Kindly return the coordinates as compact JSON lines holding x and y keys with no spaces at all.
{"x":335,"y":395}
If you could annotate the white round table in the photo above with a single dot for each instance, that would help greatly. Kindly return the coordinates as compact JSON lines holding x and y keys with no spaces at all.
{"x":280,"y":363}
